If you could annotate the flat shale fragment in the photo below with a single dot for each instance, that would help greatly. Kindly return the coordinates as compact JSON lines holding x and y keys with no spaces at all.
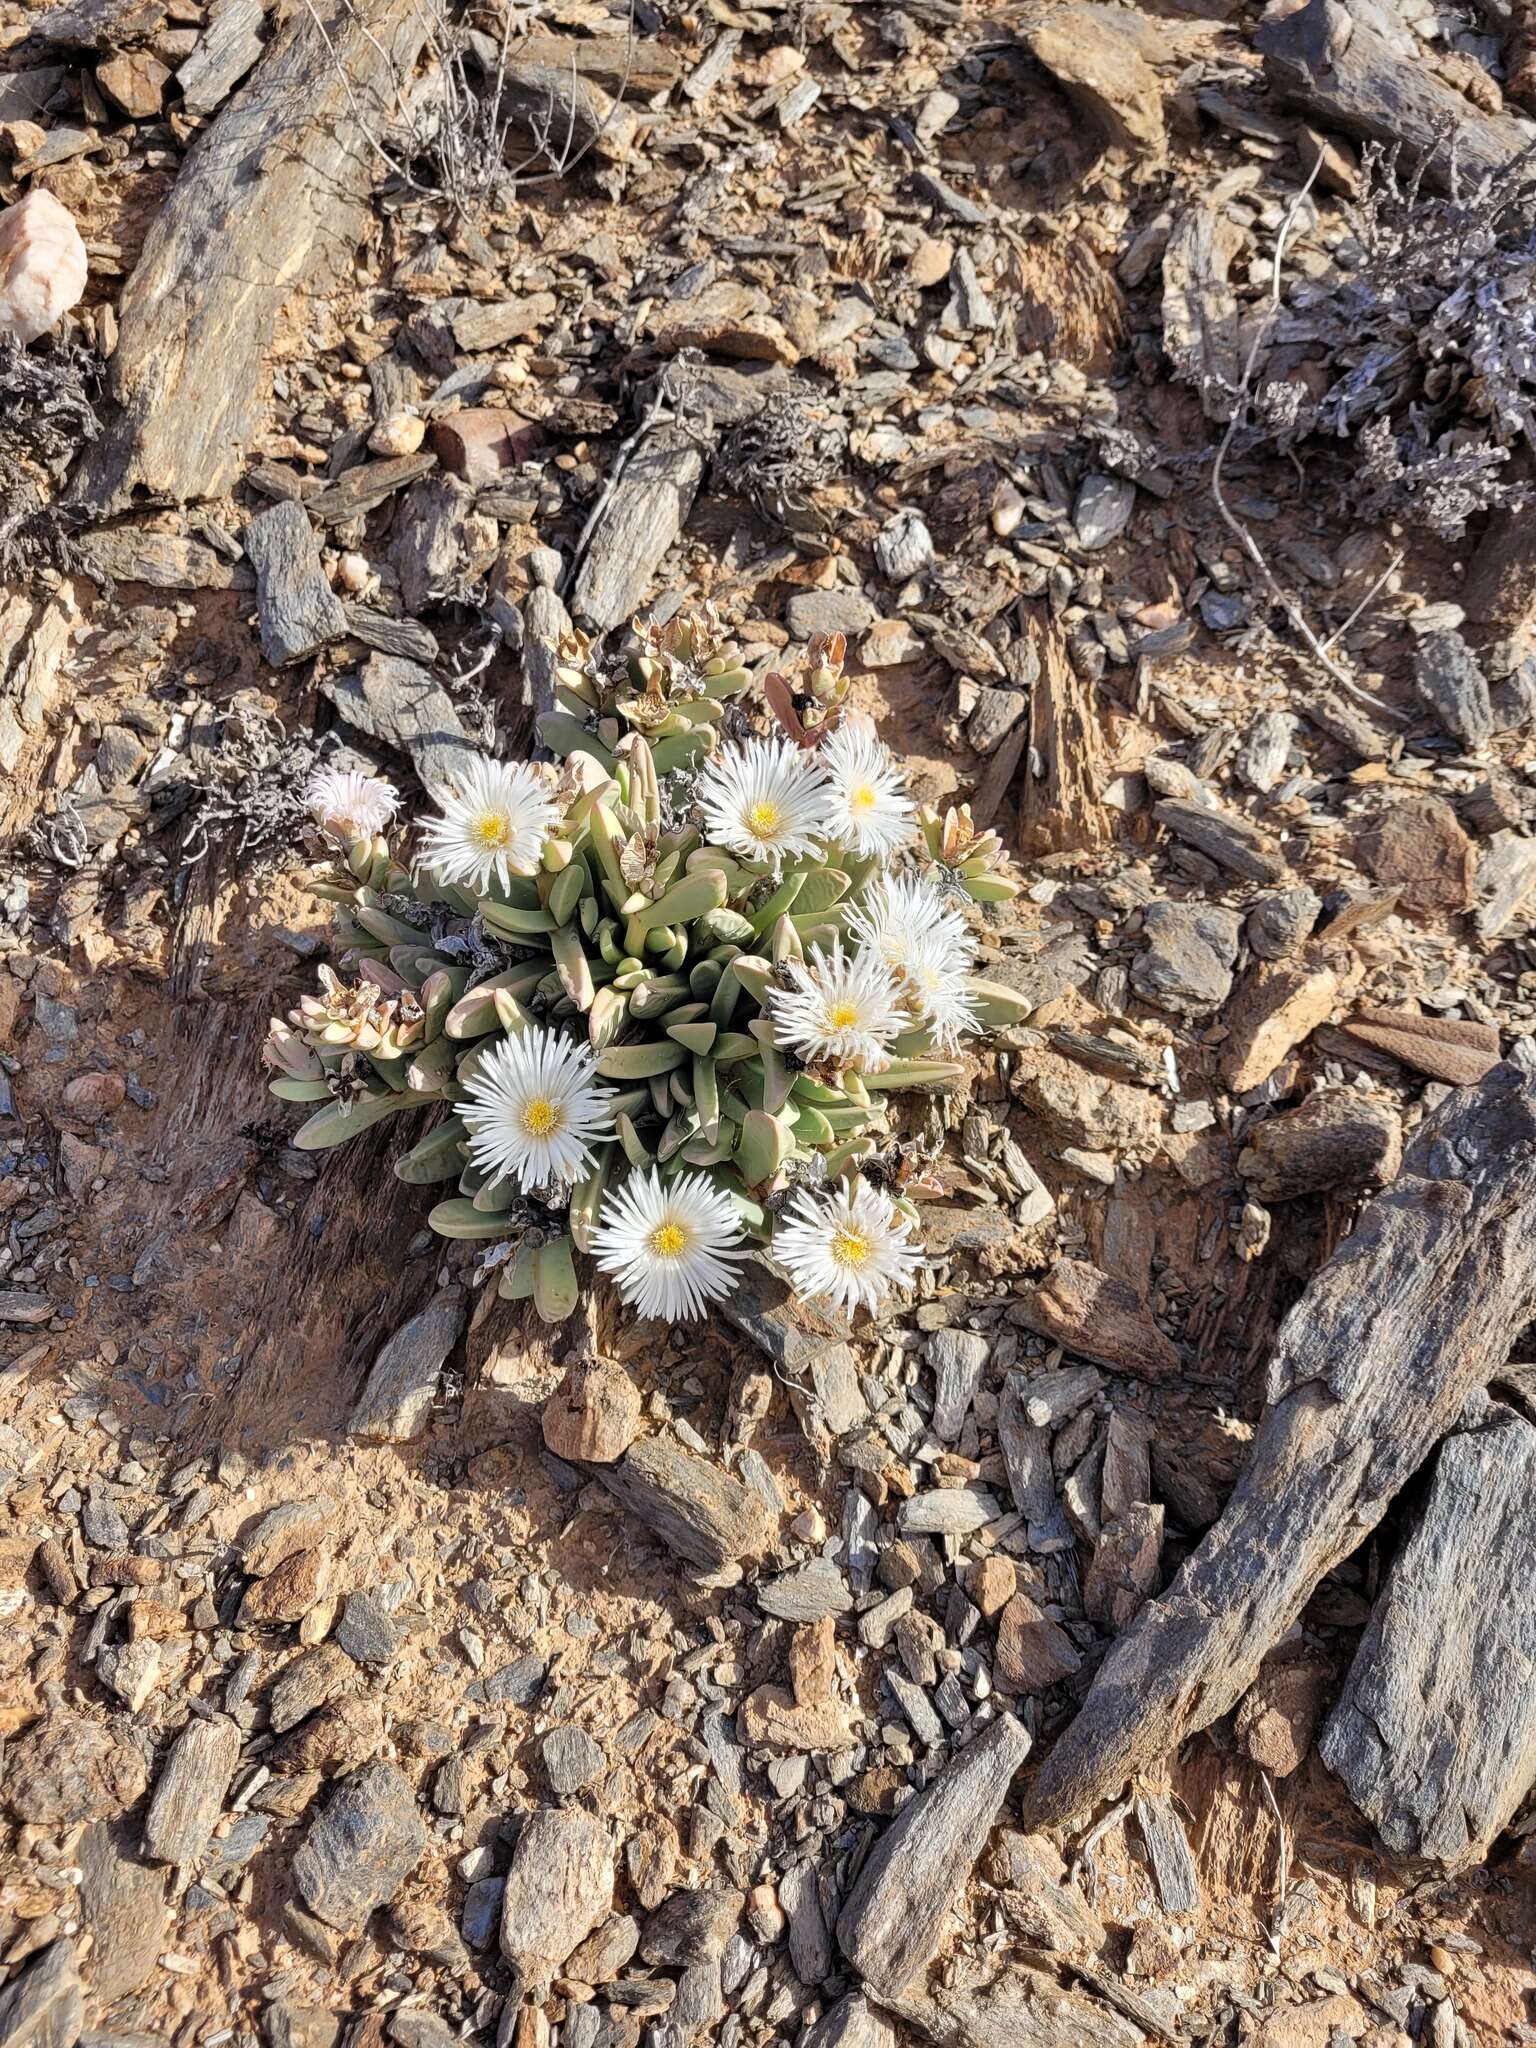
{"x":1434,"y":1734}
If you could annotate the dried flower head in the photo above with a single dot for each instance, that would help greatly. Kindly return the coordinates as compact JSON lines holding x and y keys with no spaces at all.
{"x":348,"y":805}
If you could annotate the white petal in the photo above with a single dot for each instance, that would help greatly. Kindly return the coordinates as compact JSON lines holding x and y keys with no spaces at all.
{"x":869,"y":810}
{"x":493,"y":826}
{"x":849,"y":1248}
{"x":348,"y":804}
{"x":534,"y":1111}
{"x":670,"y":1246}
{"x":841,"y":1008}
{"x":764,"y":799}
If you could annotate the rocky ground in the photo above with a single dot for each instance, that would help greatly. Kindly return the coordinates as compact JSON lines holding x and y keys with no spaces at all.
{"x":380,"y":1667}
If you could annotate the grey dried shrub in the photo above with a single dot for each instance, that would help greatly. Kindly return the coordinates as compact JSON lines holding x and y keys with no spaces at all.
{"x":1426,"y":329}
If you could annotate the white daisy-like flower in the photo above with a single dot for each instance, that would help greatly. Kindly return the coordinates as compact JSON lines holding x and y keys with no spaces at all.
{"x":852,"y":1247}
{"x":670,"y":1246}
{"x":534,"y":1111}
{"x":764,"y":799}
{"x":937,"y":986}
{"x":899,"y":913}
{"x":869,"y":810}
{"x":843,"y":1009}
{"x":348,"y":805}
{"x":493,"y":827}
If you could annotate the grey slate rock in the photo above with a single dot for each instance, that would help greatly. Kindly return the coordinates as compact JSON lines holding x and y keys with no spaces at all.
{"x":1190,"y":953}
{"x":807,"y":1592}
{"x":1280,"y":925}
{"x":642,"y":517}
{"x":703,"y":1514}
{"x":852,"y":2023}
{"x":361,"y":1849}
{"x":1447,"y":676}
{"x":1232,"y":842}
{"x":366,"y":1632}
{"x":482,"y":1912}
{"x":895,"y":1918}
{"x":297,"y":612}
{"x":1434,"y":1734}
{"x":406,"y":707}
{"x":42,"y":2006}
{"x":559,"y":1885}
{"x":958,"y":1358}
{"x":571,"y":1759}
{"x":190,"y":1792}
{"x":809,"y":1342}
{"x":519,"y":1683}
{"x":123,"y":1908}
{"x":1103,"y":509}
{"x":397,"y":1395}
{"x":829,"y":611}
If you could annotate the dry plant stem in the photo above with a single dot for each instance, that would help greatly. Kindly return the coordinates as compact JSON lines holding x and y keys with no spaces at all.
{"x":1083,"y":1860}
{"x":1391,"y":569}
{"x":465,"y":181}
{"x":1283,"y":597}
{"x":1283,"y":1872}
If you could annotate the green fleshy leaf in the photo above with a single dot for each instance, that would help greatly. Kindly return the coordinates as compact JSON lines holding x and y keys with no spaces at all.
{"x":339,"y":1121}
{"x":459,"y":1218}
{"x":555,"y":1292}
{"x":286,"y":1089}
{"x":437,"y":1156}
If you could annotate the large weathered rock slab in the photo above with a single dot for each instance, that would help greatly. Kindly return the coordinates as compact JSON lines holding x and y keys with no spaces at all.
{"x":895,"y":1919}
{"x":1435,"y":1732}
{"x":269,"y":196}
{"x":1373,"y":1364}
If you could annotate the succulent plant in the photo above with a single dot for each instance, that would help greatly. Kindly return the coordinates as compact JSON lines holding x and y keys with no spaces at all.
{"x":657,"y":999}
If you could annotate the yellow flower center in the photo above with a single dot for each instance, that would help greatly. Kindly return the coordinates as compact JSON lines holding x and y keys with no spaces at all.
{"x":491,"y":830}
{"x":668,"y":1240}
{"x":765,"y":820}
{"x":843,"y":1016}
{"x":850,"y":1247}
{"x":541,"y":1117}
{"x":861,"y":798}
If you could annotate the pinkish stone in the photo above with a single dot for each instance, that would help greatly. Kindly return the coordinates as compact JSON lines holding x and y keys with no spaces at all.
{"x":42,"y":266}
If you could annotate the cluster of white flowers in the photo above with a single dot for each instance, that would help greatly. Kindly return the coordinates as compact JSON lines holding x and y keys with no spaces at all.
{"x":536,"y":1114}
{"x":769,"y":800}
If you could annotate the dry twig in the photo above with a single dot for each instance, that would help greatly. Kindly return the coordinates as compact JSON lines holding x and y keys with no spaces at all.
{"x":1286,"y":599}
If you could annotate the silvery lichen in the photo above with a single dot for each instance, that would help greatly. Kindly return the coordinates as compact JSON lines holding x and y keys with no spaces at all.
{"x":646,"y":997}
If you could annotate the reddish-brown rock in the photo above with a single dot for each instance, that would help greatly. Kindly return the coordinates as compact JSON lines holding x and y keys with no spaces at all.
{"x":1100,"y":1317}
{"x":1454,"y":1049}
{"x":1033,"y":1652}
{"x":1277,"y":1721}
{"x":289,"y":1591}
{"x":483,"y":441}
{"x":1418,"y":848}
{"x":1278,"y":1005}
{"x":594,"y":1414}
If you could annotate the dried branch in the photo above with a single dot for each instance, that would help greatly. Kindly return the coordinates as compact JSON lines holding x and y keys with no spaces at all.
{"x":1286,"y":599}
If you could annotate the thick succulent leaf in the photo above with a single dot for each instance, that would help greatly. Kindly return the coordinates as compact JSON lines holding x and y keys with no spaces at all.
{"x":555,"y":1290}
{"x":459,"y":1218}
{"x":339,"y":1121}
